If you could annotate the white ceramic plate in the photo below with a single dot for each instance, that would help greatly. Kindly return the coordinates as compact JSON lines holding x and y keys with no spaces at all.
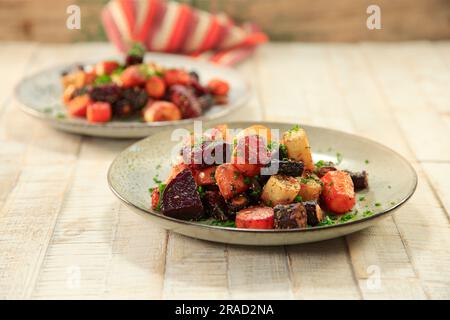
{"x":392,"y":181}
{"x":40,"y":95}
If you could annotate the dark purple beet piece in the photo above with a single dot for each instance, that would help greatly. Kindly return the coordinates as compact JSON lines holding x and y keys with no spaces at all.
{"x":207,"y":153}
{"x":215,"y":205}
{"x":181,"y":199}
{"x":186,"y":100}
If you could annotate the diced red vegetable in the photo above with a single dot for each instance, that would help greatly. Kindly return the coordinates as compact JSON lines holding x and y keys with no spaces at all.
{"x":155,"y":198}
{"x":255,"y":218}
{"x":132,"y":76}
{"x":205,"y":176}
{"x":230,"y":180}
{"x":218,"y":87}
{"x":105,"y":67}
{"x":78,"y":105}
{"x":250,"y":154}
{"x":247,"y":169}
{"x":176,"y":76}
{"x":99,"y":112}
{"x":161,"y":111}
{"x":338,"y":193}
{"x":155,"y":87}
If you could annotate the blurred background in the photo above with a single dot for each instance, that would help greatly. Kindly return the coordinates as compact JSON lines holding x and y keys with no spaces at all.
{"x":282,"y":20}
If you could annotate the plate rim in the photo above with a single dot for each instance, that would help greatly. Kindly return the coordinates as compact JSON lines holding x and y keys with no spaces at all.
{"x":127,"y":125}
{"x":276,"y":231}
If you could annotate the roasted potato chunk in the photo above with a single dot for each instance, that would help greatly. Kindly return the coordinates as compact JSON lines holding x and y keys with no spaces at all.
{"x":280,"y":189}
{"x":310,"y":189}
{"x":298,"y":148}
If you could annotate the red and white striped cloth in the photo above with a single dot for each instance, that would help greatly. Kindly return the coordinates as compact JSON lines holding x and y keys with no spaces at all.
{"x":177,"y":28}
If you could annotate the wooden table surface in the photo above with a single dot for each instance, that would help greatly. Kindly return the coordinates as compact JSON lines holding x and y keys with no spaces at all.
{"x":63,"y":234}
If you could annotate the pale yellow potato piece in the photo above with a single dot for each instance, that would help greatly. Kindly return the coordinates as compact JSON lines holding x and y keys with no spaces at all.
{"x":280,"y":190}
{"x":297,"y":146}
{"x":309,"y":190}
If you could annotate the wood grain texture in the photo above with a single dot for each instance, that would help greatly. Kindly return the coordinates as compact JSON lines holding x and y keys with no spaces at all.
{"x":64,"y":235}
{"x":288,"y":20}
{"x":368,"y":249}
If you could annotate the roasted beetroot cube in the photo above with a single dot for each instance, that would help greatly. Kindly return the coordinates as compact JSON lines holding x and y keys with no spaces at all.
{"x":290,"y":216}
{"x":180,"y":198}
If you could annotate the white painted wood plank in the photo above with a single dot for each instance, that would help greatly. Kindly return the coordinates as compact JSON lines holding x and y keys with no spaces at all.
{"x":44,"y":160}
{"x":424,"y":130}
{"x":439,"y":173}
{"x":428,"y":71}
{"x":14,"y":58}
{"x":92,"y":235}
{"x":380,"y":246}
{"x":195,"y":269}
{"x":258,"y":273}
{"x":322,"y":271}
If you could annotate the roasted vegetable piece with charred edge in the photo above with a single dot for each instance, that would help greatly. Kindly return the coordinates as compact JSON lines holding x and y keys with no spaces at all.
{"x":288,"y":167}
{"x":215,"y":205}
{"x":297,"y":146}
{"x":313,"y":213}
{"x":321,"y":171}
{"x":290,"y":216}
{"x":181,"y":199}
{"x":360,"y":179}
{"x":238,"y":203}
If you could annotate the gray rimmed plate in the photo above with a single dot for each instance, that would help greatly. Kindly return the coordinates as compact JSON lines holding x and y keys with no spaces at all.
{"x":392,"y":181}
{"x":40,"y":95}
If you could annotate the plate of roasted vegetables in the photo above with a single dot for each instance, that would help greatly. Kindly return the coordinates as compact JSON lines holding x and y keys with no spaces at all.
{"x":131,"y":96}
{"x":262,"y":184}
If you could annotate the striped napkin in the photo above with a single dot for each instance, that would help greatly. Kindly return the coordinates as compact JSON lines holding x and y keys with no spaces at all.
{"x":167,"y":26}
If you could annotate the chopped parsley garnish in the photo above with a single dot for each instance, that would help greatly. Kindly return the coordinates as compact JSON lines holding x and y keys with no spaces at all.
{"x":283,"y":151}
{"x":347,"y":217}
{"x":247,"y":180}
{"x":377,"y":204}
{"x":156,"y":179}
{"x":201,"y":192}
{"x":271,"y":145}
{"x":161,"y":187}
{"x":118,"y":71}
{"x":367,"y":161}
{"x":60,"y":115}
{"x":295,"y":128}
{"x":362,"y":198}
{"x":332,"y":219}
{"x":298,"y":199}
{"x":255,"y":193}
{"x":137,"y":50}
{"x":338,"y":158}
{"x":102,"y":79}
{"x":323,"y":163}
{"x":367,"y":213}
{"x":320,"y":164}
